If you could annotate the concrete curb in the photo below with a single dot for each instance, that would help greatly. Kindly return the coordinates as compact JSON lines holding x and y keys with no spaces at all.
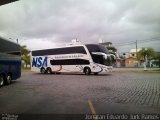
{"x":145,"y":71}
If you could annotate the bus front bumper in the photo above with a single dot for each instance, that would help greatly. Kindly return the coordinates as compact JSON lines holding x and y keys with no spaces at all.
{"x":108,"y":69}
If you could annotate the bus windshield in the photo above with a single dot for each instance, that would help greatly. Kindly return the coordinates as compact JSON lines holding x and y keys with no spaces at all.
{"x":99,"y":54}
{"x":97,"y":48}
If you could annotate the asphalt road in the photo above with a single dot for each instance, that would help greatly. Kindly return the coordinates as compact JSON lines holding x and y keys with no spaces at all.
{"x":117,"y":92}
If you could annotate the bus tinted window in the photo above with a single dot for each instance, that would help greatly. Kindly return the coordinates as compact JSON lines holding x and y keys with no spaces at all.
{"x":67,"y":50}
{"x":70,"y":62}
{"x":15,"y":53}
{"x":93,"y":48}
{"x":98,"y":59}
{"x":103,"y":49}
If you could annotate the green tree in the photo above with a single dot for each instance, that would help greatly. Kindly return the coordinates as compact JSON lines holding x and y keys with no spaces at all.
{"x":25,"y":55}
{"x":112,"y":49}
{"x":146,"y":54}
{"x":157,"y":58}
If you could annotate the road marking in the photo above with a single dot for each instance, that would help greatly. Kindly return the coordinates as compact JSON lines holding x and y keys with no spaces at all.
{"x":91,"y":107}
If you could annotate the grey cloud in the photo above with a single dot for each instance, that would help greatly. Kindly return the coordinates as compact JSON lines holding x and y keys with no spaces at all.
{"x":87,"y":20}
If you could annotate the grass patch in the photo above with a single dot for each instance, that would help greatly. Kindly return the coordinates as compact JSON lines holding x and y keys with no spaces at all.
{"x":152,"y":70}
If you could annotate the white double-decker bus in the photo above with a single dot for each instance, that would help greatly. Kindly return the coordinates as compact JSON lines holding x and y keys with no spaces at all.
{"x":89,"y":58}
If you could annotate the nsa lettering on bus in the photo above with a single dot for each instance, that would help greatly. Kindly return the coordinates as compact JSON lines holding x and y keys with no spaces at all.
{"x":39,"y":62}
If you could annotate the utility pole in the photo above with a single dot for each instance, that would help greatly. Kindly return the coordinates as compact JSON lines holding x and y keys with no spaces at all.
{"x":136,"y":48}
{"x":17,"y":41}
{"x":136,"y":53}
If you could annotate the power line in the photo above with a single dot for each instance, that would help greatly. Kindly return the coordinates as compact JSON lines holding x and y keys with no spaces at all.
{"x":157,"y":38}
{"x":138,"y":41}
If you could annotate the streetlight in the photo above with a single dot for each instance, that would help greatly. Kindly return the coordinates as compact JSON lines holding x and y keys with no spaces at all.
{"x":145,"y":60}
{"x":16,"y":40}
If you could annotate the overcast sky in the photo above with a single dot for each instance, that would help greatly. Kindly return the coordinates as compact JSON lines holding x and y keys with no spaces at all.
{"x":51,"y":23}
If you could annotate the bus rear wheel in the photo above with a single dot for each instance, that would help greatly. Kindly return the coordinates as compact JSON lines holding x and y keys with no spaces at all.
{"x":87,"y":71}
{"x":8,"y":79}
{"x":43,"y":71}
{"x":1,"y":80}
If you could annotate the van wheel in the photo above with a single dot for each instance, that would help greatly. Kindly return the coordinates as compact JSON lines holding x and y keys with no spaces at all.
{"x":43,"y":71}
{"x":87,"y":71}
{"x":8,"y":79}
{"x":1,"y":80}
{"x":49,"y":70}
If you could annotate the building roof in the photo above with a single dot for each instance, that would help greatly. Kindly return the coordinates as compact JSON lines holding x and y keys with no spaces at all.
{"x":130,"y":57}
{"x":134,"y":50}
{"x":106,"y":43}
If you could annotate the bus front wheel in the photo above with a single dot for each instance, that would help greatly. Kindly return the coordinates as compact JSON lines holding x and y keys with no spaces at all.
{"x":49,"y":70}
{"x":87,"y":71}
{"x":1,"y":80}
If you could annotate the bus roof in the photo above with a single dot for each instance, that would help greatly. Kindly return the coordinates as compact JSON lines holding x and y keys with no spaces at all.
{"x":8,"y":46}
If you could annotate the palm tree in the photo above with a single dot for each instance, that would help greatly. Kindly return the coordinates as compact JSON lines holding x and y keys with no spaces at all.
{"x":145,"y":54}
{"x":25,"y":55}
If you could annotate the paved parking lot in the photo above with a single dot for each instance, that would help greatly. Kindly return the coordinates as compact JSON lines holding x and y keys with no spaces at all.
{"x":118,"y":92}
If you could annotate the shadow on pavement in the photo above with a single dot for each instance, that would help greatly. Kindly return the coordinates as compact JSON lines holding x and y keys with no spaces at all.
{"x":78,"y":74}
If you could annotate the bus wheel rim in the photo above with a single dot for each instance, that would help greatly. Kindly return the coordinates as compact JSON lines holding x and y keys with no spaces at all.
{"x":9,"y":79}
{"x":1,"y":81}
